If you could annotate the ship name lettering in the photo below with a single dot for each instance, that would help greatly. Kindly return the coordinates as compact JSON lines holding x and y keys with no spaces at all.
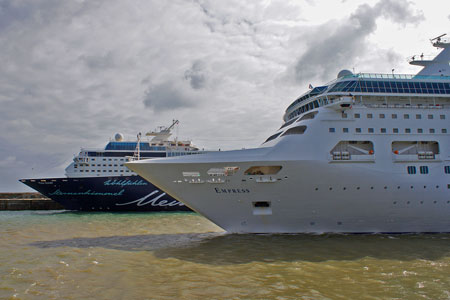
{"x":231,"y":191}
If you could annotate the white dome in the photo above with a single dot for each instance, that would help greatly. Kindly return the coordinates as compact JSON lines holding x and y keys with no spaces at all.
{"x":343,"y":73}
{"x":118,"y":137}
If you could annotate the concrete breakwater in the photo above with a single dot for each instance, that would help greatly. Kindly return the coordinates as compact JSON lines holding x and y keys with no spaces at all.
{"x":27,"y":201}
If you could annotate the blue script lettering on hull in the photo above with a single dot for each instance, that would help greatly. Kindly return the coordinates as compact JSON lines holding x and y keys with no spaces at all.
{"x":116,"y":193}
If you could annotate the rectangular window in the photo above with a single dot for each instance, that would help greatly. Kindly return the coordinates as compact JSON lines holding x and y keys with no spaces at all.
{"x":419,"y":130}
{"x":411,"y":170}
{"x":371,"y":130}
{"x":443,"y":130}
{"x":357,"y":116}
{"x":381,"y":116}
{"x":407,"y":130}
{"x":345,"y":130}
{"x":395,"y":130}
{"x":405,"y":116}
{"x":344,"y":115}
{"x":447,"y":169}
{"x":431,"y":130}
{"x":369,"y":116}
{"x":383,"y":130}
{"x":394,"y":116}
{"x":430,"y":117}
{"x":423,"y":170}
{"x":442,"y":117}
{"x":358,"y":130}
{"x":331,"y":130}
{"x":418,"y":117}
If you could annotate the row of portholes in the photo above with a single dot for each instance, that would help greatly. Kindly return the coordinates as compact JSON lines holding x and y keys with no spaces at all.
{"x":385,"y":187}
{"x":421,"y":202}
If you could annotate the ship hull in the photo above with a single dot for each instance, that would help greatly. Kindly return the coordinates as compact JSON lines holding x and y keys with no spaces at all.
{"x":118,"y":193}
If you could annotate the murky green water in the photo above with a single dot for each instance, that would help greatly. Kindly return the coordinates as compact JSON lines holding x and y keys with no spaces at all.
{"x":54,"y":255}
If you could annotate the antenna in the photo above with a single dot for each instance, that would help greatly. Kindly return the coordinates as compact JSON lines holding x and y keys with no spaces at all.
{"x":438,"y":37}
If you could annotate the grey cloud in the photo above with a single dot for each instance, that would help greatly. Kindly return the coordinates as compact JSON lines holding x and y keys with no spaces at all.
{"x":195,"y":75}
{"x":96,"y":62}
{"x":336,"y":45}
{"x":167,"y":96}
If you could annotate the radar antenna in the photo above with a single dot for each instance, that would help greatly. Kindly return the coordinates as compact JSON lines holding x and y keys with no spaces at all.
{"x":438,"y":38}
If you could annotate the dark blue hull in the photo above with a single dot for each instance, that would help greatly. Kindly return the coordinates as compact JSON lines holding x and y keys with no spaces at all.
{"x":119,"y":193}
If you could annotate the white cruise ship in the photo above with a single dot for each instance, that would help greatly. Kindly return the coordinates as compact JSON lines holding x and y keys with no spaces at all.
{"x":363,"y":153}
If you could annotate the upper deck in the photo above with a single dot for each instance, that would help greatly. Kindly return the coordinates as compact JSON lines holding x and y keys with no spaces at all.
{"x":371,"y":84}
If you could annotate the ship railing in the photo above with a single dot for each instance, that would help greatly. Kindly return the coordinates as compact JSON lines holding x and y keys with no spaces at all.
{"x":392,"y":76}
{"x":420,"y":58}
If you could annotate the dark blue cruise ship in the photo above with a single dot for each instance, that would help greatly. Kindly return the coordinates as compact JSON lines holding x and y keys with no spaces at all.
{"x":97,"y":179}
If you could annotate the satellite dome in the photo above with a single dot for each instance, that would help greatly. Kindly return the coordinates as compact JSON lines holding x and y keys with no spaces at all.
{"x":118,"y":137}
{"x":343,"y":73}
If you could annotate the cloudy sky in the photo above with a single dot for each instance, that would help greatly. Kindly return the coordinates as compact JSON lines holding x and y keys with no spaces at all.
{"x":73,"y":73}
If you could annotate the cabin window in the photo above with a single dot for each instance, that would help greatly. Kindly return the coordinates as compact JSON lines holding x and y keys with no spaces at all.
{"x":405,"y":116}
{"x":431,"y":130}
{"x":442,"y":117}
{"x":418,"y":117}
{"x":371,"y":130}
{"x":369,"y":116}
{"x":358,"y":130}
{"x":331,"y":130}
{"x":395,"y":130}
{"x":272,"y":137}
{"x":357,"y":116}
{"x":407,"y":130}
{"x":411,"y":170}
{"x":447,"y":169}
{"x":444,"y":130}
{"x":344,"y":115}
{"x":430,"y":117}
{"x":394,"y":116}
{"x":263,"y":170}
{"x":288,"y":123}
{"x":383,"y":130}
{"x":295,"y":130}
{"x":345,"y":130}
{"x":382,"y":116}
{"x":419,"y":130}
{"x":309,"y":116}
{"x":423,"y":170}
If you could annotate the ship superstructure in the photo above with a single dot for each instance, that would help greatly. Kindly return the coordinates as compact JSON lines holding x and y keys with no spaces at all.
{"x":363,"y":153}
{"x":98,"y":180}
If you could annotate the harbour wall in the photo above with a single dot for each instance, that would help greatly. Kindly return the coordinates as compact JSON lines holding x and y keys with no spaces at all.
{"x":27,"y":201}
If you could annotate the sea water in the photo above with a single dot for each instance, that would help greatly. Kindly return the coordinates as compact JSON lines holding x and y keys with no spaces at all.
{"x":67,"y":255}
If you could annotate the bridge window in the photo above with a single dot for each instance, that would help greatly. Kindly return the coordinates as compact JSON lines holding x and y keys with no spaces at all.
{"x":411,"y":170}
{"x":423,"y":170}
{"x":447,"y":169}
